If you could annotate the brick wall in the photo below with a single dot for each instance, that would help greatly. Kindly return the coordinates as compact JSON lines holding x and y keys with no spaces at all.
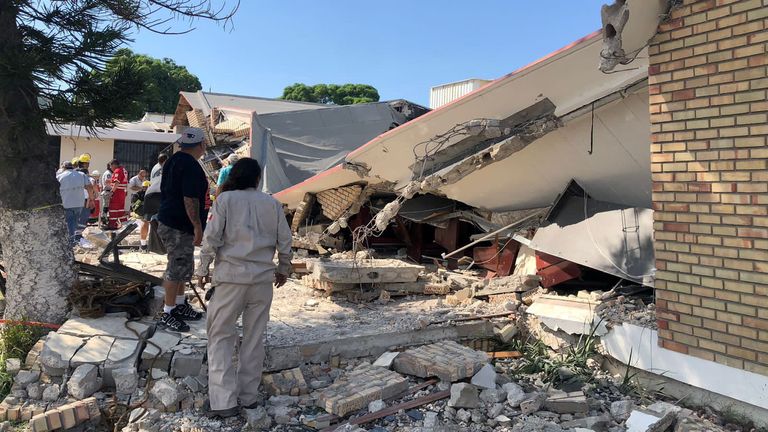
{"x":709,"y":120}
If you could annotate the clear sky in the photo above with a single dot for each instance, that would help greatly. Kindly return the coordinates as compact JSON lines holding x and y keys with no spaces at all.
{"x":401,"y":47}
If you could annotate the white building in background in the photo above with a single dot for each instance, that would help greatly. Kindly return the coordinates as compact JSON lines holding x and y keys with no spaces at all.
{"x":135,"y":144}
{"x":447,"y":93}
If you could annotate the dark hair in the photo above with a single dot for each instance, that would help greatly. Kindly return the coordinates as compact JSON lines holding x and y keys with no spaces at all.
{"x":245,"y":174}
{"x":109,"y":166}
{"x":114,"y":162}
{"x":162,"y":157}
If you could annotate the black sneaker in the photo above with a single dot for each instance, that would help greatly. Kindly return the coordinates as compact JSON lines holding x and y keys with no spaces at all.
{"x":172,"y":323}
{"x":219,"y":414}
{"x":185,"y":312}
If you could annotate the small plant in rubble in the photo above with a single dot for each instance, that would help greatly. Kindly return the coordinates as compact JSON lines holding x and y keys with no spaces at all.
{"x":538,"y":358}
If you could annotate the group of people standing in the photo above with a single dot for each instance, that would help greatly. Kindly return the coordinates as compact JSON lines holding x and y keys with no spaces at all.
{"x":244,"y":232}
{"x":108,"y":198}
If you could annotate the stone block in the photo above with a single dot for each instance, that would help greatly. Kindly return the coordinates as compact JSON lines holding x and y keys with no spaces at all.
{"x":568,"y":403}
{"x":24,"y":378}
{"x":386,"y":359}
{"x":288,"y":382}
{"x":464,"y":395}
{"x":125,"y":380}
{"x":84,"y":381}
{"x":113,"y":326}
{"x":12,"y":366}
{"x":167,"y":392}
{"x":446,"y":360}
{"x":485,"y":377}
{"x":95,"y":351}
{"x":183,"y":365}
{"x":34,"y":354}
{"x":357,"y":388}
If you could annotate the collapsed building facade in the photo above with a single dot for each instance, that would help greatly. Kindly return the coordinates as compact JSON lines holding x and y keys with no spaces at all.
{"x":603,"y":207}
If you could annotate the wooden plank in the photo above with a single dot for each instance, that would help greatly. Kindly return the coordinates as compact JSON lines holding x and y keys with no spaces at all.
{"x":504,"y":354}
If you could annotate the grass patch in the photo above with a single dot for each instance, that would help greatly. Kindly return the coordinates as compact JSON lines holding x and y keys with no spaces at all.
{"x":537,"y":358}
{"x":16,"y":341}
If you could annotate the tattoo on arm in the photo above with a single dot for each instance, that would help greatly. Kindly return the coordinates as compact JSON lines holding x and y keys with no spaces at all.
{"x":192,"y":206}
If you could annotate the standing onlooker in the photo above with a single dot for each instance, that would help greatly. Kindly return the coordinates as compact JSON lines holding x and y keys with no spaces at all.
{"x":95,"y":181}
{"x":246,"y":228}
{"x":71,"y":186}
{"x":119,"y":181}
{"x":152,"y":197}
{"x":89,"y":197}
{"x":181,"y":219}
{"x":106,"y":195}
{"x":135,"y":185}
{"x":224,"y":172}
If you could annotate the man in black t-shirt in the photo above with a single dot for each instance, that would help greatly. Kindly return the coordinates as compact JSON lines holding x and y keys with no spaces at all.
{"x":181,"y":218}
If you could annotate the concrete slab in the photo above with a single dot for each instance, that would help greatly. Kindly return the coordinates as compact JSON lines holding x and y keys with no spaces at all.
{"x":572,"y":315}
{"x":447,"y":360}
{"x":124,"y":354}
{"x":287,"y":357}
{"x":57,"y":351}
{"x":364,"y":271}
{"x":356,"y":389}
{"x":94,"y":352}
{"x":117,"y":327}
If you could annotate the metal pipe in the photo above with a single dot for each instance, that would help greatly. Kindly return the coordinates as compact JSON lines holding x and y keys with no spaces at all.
{"x":487,"y":236}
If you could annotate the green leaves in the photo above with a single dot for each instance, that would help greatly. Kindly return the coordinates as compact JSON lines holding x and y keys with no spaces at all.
{"x":347,"y":94}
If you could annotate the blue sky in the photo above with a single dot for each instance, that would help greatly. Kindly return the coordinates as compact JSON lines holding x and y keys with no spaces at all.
{"x":401,"y":47}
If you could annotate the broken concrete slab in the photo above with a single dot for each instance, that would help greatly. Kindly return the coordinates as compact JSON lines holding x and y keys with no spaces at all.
{"x":167,"y":392}
{"x":649,"y":421}
{"x":95,"y":351}
{"x":116,"y":327}
{"x":572,"y":315}
{"x":57,"y":351}
{"x":447,"y":360}
{"x":364,"y":271}
{"x":356,"y":389}
{"x":385,"y":360}
{"x":84,"y":381}
{"x":287,"y":357}
{"x":515,"y":394}
{"x":464,"y":395}
{"x":159,"y":350}
{"x":123,"y":354}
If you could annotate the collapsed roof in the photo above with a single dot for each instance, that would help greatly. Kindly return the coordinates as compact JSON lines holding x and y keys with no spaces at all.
{"x":513,"y":143}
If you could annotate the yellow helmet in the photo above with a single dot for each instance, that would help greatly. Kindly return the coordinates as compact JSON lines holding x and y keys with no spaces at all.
{"x":75,"y":160}
{"x":85,"y":158}
{"x":146,"y":183}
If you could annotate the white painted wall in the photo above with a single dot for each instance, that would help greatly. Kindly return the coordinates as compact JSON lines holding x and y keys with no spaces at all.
{"x":102,"y":150}
{"x":641,"y":344}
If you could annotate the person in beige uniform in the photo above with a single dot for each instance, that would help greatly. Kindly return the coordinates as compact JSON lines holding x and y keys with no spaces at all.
{"x":246,"y":228}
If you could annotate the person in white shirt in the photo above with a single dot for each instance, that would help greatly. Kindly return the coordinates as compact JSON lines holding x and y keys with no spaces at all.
{"x":71,"y":186}
{"x":246,"y":229}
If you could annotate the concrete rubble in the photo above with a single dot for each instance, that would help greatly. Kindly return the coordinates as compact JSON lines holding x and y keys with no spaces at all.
{"x":400,"y":364}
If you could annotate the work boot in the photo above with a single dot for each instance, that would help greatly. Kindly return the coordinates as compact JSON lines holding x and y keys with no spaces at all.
{"x":185,"y":312}
{"x":172,"y":323}
{"x":219,"y":414}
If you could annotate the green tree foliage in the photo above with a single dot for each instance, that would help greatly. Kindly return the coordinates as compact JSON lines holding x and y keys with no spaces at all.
{"x":335,"y":94}
{"x":161,"y":81}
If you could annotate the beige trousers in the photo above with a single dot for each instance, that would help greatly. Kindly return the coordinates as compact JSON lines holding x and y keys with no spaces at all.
{"x":225,"y":384}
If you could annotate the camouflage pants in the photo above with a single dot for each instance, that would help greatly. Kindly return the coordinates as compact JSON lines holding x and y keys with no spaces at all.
{"x":181,"y":253}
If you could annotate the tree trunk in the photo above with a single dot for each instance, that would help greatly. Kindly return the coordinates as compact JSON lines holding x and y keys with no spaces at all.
{"x":39,"y":263}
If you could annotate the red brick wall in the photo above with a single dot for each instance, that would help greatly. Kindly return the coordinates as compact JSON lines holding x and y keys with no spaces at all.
{"x":709,"y":120}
